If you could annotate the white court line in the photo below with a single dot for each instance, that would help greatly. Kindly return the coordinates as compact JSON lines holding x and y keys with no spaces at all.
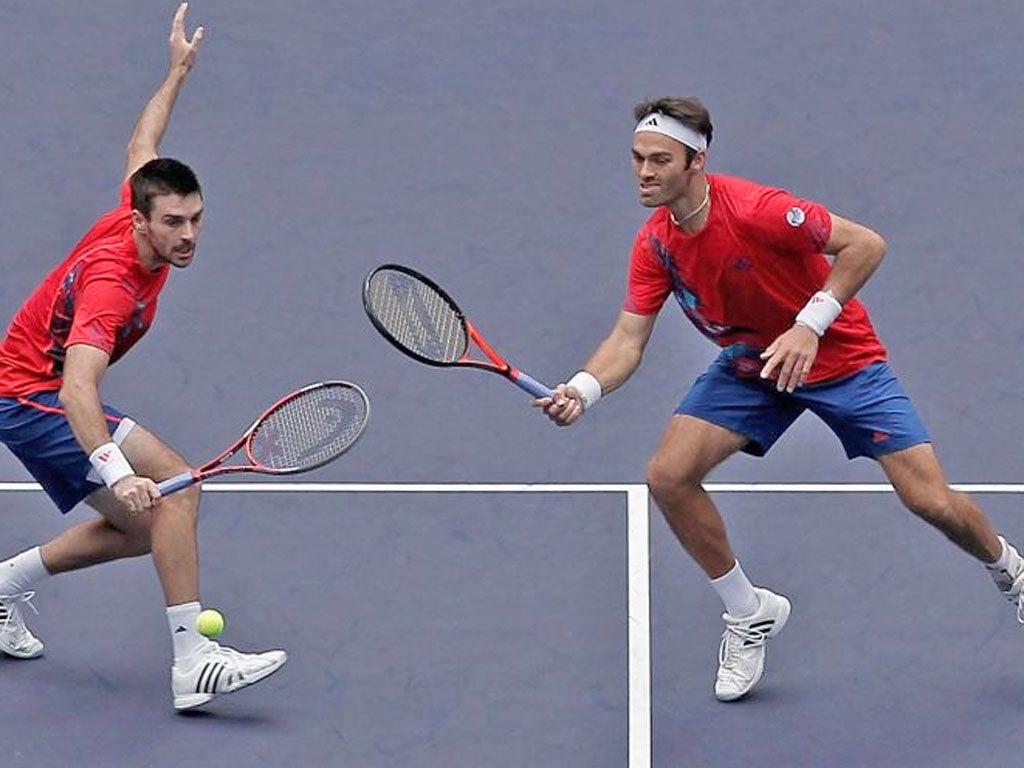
{"x":278,"y":487}
{"x":638,"y":546}
{"x":639,"y":631}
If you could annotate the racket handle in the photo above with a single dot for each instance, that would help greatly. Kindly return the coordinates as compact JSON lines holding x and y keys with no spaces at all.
{"x":528,"y":383}
{"x":176,"y":483}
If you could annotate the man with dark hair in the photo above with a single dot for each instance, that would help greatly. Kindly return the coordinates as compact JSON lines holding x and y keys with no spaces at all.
{"x":87,"y":313}
{"x":747,"y":264}
{"x":161,"y":176}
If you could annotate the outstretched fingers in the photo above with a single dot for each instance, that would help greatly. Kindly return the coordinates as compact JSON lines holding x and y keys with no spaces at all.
{"x":183,"y":50}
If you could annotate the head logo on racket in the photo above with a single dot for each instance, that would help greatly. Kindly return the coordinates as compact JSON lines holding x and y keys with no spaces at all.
{"x":302,"y":431}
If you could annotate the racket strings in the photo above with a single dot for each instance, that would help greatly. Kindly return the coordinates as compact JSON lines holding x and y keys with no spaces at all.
{"x":309,"y":430}
{"x":417,"y":317}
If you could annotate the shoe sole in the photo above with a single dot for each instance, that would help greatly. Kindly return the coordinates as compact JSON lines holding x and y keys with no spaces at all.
{"x":21,"y":654}
{"x":193,"y":700}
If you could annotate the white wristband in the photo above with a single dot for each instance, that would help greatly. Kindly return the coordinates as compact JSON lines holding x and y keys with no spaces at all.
{"x":110,"y":463}
{"x":820,"y":312}
{"x":587,"y":385}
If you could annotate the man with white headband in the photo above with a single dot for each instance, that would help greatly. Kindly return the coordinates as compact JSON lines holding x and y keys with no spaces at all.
{"x":747,"y":264}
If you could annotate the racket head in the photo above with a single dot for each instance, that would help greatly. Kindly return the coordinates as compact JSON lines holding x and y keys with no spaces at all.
{"x":416,"y":315}
{"x":308,"y":428}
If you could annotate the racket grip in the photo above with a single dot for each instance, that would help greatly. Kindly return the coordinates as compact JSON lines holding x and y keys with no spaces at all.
{"x":528,"y":383}
{"x":176,"y":483}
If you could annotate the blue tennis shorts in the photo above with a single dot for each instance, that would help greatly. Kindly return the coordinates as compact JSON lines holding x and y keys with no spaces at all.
{"x":869,"y":411}
{"x":37,"y":431}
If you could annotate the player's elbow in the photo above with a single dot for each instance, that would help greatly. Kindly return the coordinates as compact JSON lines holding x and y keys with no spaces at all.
{"x":875,"y":246}
{"x":72,"y":392}
{"x":66,"y":396}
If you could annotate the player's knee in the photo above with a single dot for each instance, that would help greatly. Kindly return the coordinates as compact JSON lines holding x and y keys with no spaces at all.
{"x":667,"y":481}
{"x":138,"y":544}
{"x":934,"y":505}
{"x":185,"y":499}
{"x":135,"y":530}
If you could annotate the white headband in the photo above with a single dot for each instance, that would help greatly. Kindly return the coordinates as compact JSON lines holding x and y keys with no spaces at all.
{"x":666,"y":125}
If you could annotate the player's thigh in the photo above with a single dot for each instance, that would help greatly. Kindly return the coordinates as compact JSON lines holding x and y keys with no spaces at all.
{"x":150,"y":456}
{"x":917,"y":477}
{"x":690,"y":448}
{"x":870,"y":413}
{"x":115,"y":513}
{"x":735,"y":404}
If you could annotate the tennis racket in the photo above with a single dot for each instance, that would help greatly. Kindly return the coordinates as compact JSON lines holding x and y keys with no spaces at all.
{"x":417,"y":316}
{"x":302,"y":431}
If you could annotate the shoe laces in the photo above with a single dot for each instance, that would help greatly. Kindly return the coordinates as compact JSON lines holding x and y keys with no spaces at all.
{"x":10,"y":604}
{"x":228,"y":655}
{"x":738,"y":638}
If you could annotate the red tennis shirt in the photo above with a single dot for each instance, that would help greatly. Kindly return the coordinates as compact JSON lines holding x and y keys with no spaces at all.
{"x":744,"y":277}
{"x":99,"y":295}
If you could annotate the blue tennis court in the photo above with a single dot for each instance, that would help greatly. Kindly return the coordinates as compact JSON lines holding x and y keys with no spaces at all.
{"x":488,"y":146}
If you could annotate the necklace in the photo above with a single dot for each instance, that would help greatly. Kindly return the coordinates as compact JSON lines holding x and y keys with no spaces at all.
{"x":695,"y":211}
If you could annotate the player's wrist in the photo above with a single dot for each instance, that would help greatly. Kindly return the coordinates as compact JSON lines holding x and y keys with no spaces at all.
{"x":587,"y":385}
{"x":110,"y":463}
{"x":819,"y":312}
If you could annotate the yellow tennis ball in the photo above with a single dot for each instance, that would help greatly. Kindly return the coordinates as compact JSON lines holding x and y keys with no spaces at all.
{"x":210,"y":623}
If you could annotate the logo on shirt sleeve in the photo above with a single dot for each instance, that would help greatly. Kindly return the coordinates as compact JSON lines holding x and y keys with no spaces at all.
{"x":796,"y":216}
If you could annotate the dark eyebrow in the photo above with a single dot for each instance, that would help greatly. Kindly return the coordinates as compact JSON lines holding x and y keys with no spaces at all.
{"x":653,"y":155}
{"x":181,"y":216}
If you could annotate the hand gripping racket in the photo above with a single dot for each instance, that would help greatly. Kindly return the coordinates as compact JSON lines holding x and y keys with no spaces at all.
{"x":302,"y":431}
{"x":417,"y":316}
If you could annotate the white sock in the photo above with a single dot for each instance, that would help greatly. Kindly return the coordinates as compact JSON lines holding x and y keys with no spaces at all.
{"x":1004,"y":561}
{"x":184,"y":635}
{"x":737,"y":593}
{"x":19,"y":573}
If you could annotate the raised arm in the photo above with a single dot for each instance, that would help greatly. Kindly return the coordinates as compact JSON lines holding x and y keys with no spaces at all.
{"x":144,"y":144}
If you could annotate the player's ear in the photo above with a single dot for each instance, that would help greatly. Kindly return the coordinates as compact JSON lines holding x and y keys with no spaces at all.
{"x":138,"y":221}
{"x":698,"y":160}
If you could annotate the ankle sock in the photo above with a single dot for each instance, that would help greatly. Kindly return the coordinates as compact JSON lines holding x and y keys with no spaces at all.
{"x":19,"y":573}
{"x":182,"y":621}
{"x":737,"y":593}
{"x":1003,"y":562}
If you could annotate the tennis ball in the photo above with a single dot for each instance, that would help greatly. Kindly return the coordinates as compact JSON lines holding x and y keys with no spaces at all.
{"x":210,"y":623}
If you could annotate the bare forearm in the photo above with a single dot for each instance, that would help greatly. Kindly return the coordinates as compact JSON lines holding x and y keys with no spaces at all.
{"x":144,"y":144}
{"x":614,"y":362}
{"x":850,"y":272}
{"x":621,"y":352}
{"x":858,"y":251}
{"x":152,"y":124}
{"x":85,"y":415}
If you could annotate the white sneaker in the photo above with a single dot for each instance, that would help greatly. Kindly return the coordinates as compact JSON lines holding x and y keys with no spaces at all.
{"x":15,"y":639}
{"x":1010,"y":580}
{"x":741,"y":654}
{"x":218,"y":669}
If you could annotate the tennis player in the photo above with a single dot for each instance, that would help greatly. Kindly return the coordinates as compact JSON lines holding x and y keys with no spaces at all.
{"x":747,"y":264}
{"x":85,"y":315}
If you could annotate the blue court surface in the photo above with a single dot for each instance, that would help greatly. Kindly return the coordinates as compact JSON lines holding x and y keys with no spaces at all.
{"x":487,"y":144}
